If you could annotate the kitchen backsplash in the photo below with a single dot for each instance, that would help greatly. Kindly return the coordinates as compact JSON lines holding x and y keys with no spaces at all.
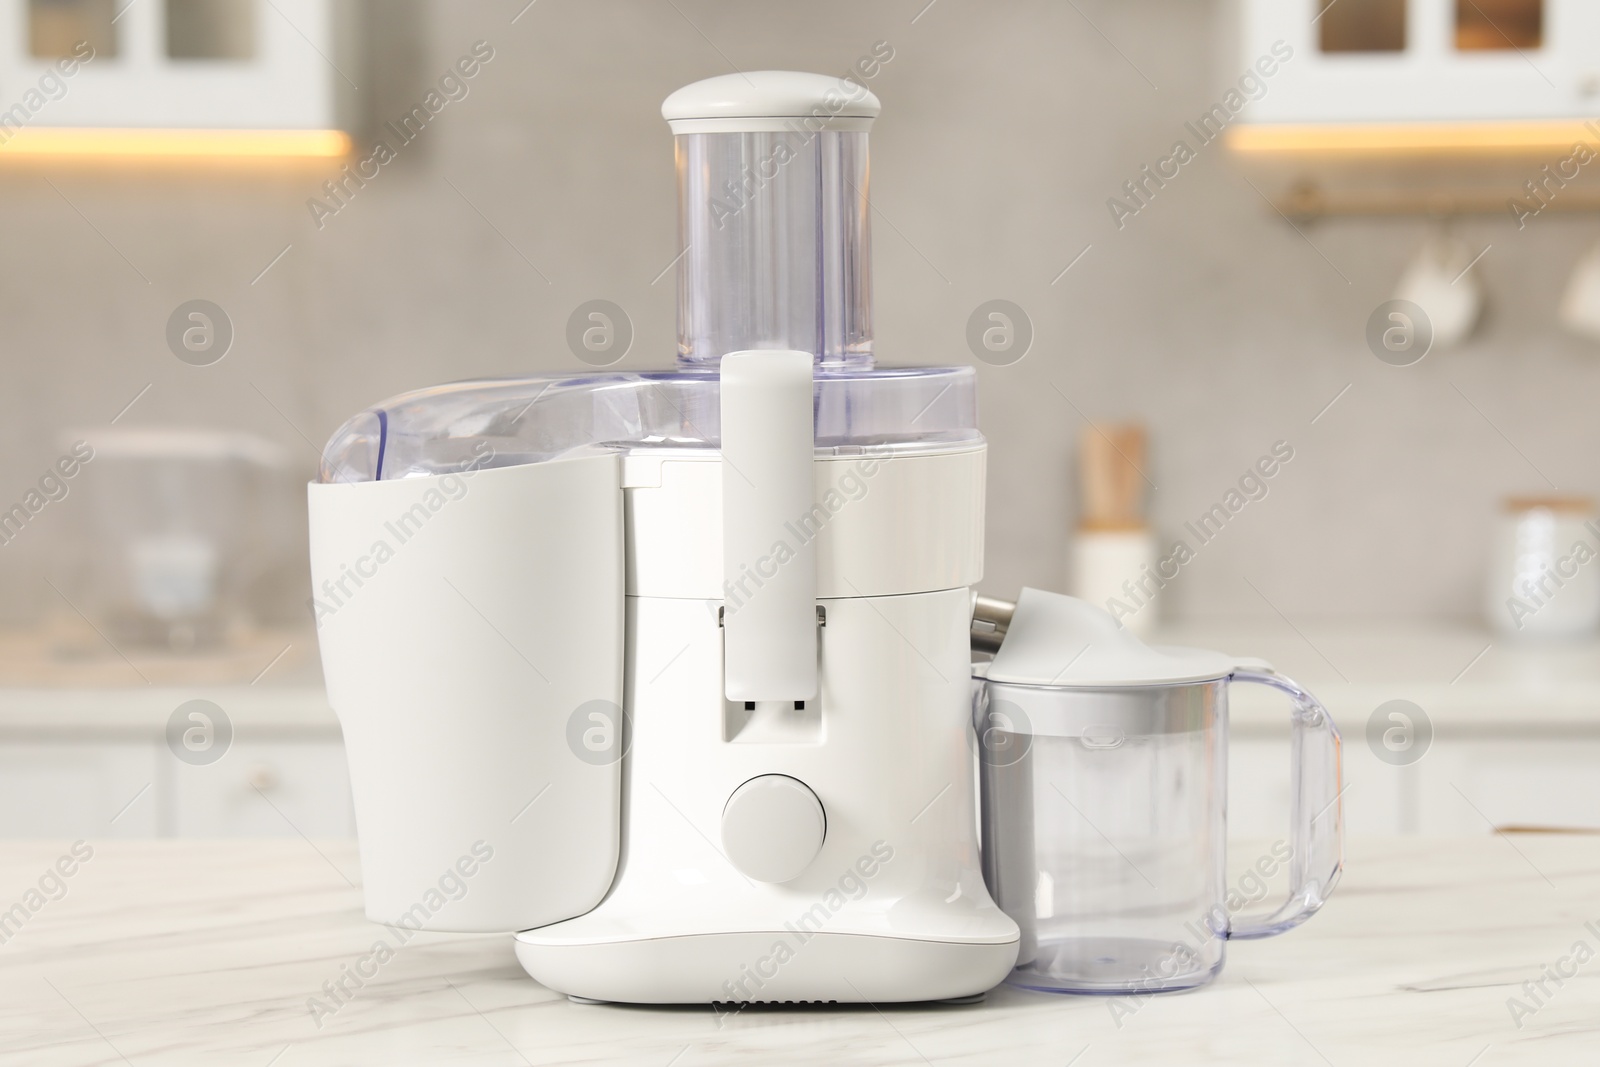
{"x":1229,"y":332}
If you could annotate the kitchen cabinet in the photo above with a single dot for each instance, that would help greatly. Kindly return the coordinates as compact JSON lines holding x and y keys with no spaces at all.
{"x":1419,"y":61}
{"x":292,"y":788}
{"x":1508,"y":733}
{"x":1515,"y":740}
{"x":264,"y":789}
{"x":93,"y":66}
{"x":70,"y":790}
{"x":1379,"y":799}
{"x":1461,"y":786}
{"x":1425,"y":107}
{"x":96,"y":789}
{"x":1510,"y":782}
{"x":95,"y":764}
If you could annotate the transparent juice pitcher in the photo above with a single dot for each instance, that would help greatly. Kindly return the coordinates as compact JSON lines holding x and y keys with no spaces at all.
{"x":1104,"y":770}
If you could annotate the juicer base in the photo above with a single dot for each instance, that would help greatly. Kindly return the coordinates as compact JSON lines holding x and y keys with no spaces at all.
{"x":767,"y":967}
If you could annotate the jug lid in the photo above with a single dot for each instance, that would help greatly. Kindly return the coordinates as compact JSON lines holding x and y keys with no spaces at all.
{"x":1057,"y":640}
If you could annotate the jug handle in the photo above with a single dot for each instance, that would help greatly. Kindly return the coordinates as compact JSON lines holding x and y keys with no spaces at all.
{"x":1316,"y":810}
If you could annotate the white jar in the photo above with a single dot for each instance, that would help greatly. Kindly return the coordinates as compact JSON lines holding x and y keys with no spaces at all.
{"x":1544,"y":572}
{"x":1114,"y":569}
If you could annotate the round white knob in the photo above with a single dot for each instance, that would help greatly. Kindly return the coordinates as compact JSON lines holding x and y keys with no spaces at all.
{"x":772,"y":828}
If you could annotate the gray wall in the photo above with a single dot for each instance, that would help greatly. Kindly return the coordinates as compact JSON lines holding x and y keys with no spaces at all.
{"x":1005,"y":129}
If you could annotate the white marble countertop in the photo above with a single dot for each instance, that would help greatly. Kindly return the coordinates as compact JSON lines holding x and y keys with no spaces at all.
{"x":206,"y":953}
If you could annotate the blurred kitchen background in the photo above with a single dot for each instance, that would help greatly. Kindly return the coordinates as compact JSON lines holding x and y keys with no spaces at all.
{"x":1207,"y":317}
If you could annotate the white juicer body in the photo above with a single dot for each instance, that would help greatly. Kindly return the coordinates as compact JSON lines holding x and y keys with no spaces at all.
{"x":893,"y":906}
{"x":761,"y":564}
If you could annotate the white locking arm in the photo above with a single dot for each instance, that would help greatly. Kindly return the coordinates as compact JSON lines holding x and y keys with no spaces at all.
{"x":769,"y":613}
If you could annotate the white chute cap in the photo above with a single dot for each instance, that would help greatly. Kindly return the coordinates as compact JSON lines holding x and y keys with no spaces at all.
{"x":1056,"y":640}
{"x":771,"y":101}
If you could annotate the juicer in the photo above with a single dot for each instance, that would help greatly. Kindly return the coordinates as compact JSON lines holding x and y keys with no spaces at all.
{"x":667,"y":672}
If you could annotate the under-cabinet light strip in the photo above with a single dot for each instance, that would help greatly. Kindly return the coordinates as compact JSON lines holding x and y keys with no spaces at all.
{"x":171,"y":143}
{"x":1400,"y":137}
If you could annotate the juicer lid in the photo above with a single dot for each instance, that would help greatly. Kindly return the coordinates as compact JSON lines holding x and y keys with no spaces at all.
{"x":1056,"y":640}
{"x":771,"y":101}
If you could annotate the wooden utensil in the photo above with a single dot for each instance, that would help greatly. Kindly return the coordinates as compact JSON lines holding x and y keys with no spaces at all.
{"x":1110,"y":458}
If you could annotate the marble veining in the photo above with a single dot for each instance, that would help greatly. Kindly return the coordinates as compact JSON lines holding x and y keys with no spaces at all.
{"x":211,"y":953}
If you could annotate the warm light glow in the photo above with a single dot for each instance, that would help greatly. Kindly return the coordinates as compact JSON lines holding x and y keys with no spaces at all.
{"x":1392,"y":138}
{"x":62,"y":141}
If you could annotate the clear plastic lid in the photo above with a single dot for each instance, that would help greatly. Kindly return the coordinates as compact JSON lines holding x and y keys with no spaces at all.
{"x":511,"y":421}
{"x":772,"y":192}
